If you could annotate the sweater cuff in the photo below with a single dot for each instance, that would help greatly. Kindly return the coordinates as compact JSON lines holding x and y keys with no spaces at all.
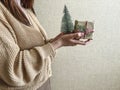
{"x":50,"y":49}
{"x":46,"y":50}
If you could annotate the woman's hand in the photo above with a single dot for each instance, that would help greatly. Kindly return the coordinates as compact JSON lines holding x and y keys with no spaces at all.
{"x":67,"y":40}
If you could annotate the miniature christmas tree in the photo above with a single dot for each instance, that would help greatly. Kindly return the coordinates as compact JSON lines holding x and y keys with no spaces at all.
{"x":67,"y":25}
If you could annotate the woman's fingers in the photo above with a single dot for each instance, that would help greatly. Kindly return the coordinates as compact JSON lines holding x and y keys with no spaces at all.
{"x":78,"y":42}
{"x":75,"y":35}
{"x":88,"y":40}
{"x":72,"y":35}
{"x":68,"y":40}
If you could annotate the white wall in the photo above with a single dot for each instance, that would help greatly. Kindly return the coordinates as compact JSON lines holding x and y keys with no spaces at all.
{"x":95,"y":66}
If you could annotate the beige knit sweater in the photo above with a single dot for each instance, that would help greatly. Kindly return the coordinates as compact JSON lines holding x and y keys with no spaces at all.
{"x":25,"y":55}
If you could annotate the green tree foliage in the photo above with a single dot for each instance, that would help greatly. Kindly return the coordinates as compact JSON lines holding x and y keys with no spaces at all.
{"x":66,"y":25}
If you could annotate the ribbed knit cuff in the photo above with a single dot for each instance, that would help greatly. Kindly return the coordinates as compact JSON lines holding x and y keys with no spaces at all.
{"x":46,"y":50}
{"x":50,"y":49}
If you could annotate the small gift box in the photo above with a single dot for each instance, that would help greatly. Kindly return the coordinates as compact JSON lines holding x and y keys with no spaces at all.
{"x":85,"y":27}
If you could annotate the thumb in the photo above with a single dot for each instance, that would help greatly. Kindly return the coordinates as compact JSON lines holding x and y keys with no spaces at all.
{"x":76,"y":35}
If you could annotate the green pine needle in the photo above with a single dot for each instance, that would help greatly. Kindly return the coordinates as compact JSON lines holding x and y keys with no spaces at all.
{"x":66,"y":25}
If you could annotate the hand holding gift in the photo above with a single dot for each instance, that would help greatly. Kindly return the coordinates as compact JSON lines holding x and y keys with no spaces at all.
{"x":84,"y":27}
{"x":71,"y":35}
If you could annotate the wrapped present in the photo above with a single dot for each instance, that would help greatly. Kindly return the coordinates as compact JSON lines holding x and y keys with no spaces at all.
{"x":85,"y":27}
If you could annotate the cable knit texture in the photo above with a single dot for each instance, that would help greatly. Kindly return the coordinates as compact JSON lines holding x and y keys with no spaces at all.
{"x":25,"y":54}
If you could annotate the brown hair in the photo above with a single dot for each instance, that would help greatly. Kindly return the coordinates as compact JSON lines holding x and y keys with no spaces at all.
{"x":12,"y":6}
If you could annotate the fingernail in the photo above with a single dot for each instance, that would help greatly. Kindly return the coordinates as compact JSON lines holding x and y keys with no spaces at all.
{"x":82,"y":34}
{"x":79,"y":34}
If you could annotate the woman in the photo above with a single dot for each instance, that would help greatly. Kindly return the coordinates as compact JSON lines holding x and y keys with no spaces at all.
{"x":25,"y":51}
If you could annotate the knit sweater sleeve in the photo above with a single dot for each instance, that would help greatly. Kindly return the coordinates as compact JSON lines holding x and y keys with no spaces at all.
{"x":20,"y":67}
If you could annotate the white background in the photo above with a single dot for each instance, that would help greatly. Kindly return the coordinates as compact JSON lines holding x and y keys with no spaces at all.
{"x":95,"y":66}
